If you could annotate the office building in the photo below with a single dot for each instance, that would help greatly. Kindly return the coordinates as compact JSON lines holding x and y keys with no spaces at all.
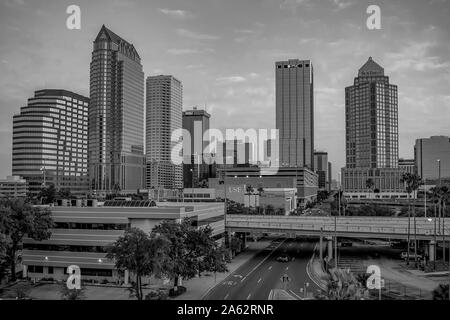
{"x":195,"y":169}
{"x":371,"y":117}
{"x":294,"y":91}
{"x":116,"y":116}
{"x":407,"y":165}
{"x":164,"y":103}
{"x":81,"y":236}
{"x":50,"y":138}
{"x":13,"y":187}
{"x":303,"y":180}
{"x":322,"y":168}
{"x":427,"y":152}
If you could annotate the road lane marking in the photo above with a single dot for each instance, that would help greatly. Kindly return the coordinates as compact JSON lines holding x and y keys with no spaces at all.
{"x":225,"y":298}
{"x":259,"y":280}
{"x":287,"y":268}
{"x":248,"y":298}
{"x":264,"y":260}
{"x":270,"y":268}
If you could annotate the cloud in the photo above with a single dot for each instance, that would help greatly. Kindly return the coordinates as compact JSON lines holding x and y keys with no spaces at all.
{"x":186,"y":51}
{"x":196,"y":35}
{"x":231,"y":79}
{"x":176,"y":14}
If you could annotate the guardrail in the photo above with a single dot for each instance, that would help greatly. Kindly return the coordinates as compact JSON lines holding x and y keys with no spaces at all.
{"x":372,"y":225}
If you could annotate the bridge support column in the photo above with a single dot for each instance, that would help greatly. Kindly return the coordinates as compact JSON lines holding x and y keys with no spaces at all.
{"x":330,"y":247}
{"x":431,"y":251}
{"x":321,"y":248}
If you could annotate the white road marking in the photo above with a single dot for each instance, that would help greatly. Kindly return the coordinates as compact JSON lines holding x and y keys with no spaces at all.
{"x":259,"y":264}
{"x":225,"y":298}
{"x":270,"y":268}
{"x":259,"y":280}
{"x":287,"y":268}
{"x":248,"y":298}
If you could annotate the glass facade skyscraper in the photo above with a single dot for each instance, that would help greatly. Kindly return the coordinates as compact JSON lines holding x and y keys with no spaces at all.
{"x":164,"y":104}
{"x":50,"y":137}
{"x":294,"y":92}
{"x":116,"y":116}
{"x":371,"y":116}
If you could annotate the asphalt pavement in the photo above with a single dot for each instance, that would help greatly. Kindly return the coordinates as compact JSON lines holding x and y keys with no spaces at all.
{"x":255,"y":279}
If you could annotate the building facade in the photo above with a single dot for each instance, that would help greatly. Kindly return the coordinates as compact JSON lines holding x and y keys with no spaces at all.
{"x":322,"y":168}
{"x":116,"y":113}
{"x":407,"y":165}
{"x":303,"y":180}
{"x":195,"y":169}
{"x":371,"y":116}
{"x":50,"y":138}
{"x":81,"y":236}
{"x":427,"y":152}
{"x":164,"y":103}
{"x":294,"y":91}
{"x":13,"y":187}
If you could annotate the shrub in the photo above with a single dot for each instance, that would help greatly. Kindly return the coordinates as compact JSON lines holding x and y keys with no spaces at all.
{"x":180,"y":290}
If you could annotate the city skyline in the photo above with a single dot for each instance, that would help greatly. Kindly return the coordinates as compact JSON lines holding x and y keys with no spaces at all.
{"x":409,"y":44}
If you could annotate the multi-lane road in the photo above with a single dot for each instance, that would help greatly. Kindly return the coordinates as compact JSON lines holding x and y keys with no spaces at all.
{"x":255,"y":279}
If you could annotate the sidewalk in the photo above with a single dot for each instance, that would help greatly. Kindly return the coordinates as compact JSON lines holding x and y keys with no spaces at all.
{"x":315,"y":271}
{"x":394,"y":271}
{"x":198,"y":287}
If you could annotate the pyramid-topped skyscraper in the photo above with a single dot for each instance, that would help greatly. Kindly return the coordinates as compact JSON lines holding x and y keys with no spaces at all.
{"x":371,"y":118}
{"x":116,"y":125}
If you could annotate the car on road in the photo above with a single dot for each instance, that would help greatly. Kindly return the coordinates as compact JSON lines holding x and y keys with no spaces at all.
{"x":346,"y":244}
{"x":412,"y":256}
{"x":283,"y":258}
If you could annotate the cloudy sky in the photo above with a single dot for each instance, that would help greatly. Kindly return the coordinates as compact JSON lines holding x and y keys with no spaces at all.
{"x":224,"y":52}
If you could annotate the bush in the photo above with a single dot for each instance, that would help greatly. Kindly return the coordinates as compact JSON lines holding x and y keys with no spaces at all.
{"x":160,"y":294}
{"x":180,"y":290}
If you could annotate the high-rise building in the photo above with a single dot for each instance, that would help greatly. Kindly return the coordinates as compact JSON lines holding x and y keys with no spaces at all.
{"x":116,"y":116}
{"x":371,"y":117}
{"x":295,"y":112}
{"x":321,"y":167}
{"x":164,"y":105}
{"x":427,"y":152}
{"x":195,"y":169}
{"x":50,"y":137}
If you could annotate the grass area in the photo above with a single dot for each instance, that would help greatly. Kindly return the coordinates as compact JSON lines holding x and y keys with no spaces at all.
{"x":50,"y":291}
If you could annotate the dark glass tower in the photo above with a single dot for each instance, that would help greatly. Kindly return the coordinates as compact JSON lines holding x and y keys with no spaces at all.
{"x":295,"y":112}
{"x":116,"y":116}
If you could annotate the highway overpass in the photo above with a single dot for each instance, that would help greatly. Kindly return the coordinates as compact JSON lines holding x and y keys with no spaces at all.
{"x":351,"y":227}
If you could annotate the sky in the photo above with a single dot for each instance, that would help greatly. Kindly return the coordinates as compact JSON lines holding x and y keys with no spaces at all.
{"x":224,"y":53}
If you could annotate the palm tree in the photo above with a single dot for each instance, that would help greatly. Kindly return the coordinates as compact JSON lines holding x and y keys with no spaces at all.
{"x":343,"y":285}
{"x":412,"y":182}
{"x":249,"y":190}
{"x":441,"y":292}
{"x":370,"y":184}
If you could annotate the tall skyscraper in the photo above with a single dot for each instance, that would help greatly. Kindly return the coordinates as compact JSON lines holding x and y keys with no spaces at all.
{"x":427,"y":152}
{"x":50,"y":137}
{"x":164,"y":105}
{"x":116,"y":113}
{"x":321,"y":166}
{"x":195,"y":170}
{"x":371,"y":117}
{"x":295,"y":112}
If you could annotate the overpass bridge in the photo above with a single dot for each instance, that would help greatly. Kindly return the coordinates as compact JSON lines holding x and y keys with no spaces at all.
{"x":350,"y":227}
